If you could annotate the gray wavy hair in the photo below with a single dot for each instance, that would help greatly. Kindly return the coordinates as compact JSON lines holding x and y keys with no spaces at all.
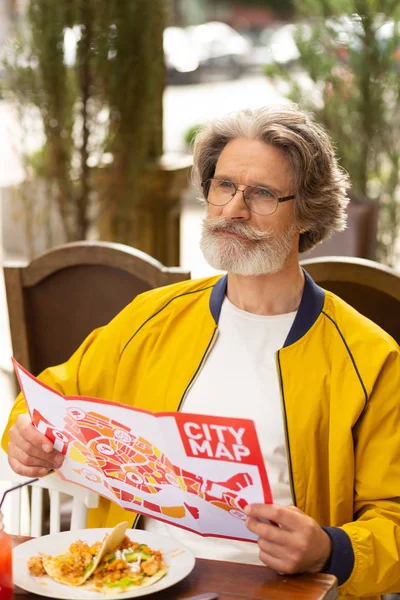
{"x":319,"y":182}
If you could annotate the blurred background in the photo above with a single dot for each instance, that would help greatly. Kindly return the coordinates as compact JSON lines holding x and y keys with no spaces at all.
{"x":100,"y":101}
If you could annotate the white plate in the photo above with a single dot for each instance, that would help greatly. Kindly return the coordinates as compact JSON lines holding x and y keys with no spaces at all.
{"x":179,"y":559}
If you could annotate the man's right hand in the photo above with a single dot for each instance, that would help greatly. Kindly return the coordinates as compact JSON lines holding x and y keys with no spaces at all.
{"x":30,"y":453}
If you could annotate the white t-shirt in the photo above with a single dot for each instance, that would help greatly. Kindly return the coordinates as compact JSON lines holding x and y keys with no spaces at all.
{"x":240,"y":379}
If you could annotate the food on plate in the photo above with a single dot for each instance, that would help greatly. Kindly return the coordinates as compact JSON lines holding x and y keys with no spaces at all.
{"x":76,"y":566}
{"x":131,"y":565}
{"x":115,"y":565}
{"x":35,"y":566}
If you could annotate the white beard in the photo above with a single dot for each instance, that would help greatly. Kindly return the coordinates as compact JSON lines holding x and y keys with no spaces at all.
{"x":257,"y":253}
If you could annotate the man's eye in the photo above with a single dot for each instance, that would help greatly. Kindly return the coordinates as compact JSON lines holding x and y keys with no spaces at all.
{"x":263,"y":193}
{"x":226,"y":184}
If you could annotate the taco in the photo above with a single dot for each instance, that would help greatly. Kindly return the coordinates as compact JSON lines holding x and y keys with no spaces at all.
{"x":77,"y":565}
{"x":131,"y":565}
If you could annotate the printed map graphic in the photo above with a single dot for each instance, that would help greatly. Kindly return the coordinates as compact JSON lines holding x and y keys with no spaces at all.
{"x":195,"y":471}
{"x":109,"y":449}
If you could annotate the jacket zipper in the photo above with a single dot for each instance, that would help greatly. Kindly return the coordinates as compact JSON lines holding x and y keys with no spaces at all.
{"x":199,"y":368}
{"x":285,"y":427}
{"x":189,"y":386}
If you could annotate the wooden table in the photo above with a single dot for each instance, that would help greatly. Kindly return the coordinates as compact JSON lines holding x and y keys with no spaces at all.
{"x":234,"y":581}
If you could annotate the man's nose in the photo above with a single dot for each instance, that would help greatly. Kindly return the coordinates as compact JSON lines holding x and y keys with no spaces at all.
{"x":237,"y":207}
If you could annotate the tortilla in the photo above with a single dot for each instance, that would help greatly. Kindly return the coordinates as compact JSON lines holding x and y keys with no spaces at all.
{"x":72,"y":568}
{"x":124,"y":569}
{"x":113,"y":539}
{"x":54,"y":565}
{"x":117,"y":564}
{"x":125,"y":587}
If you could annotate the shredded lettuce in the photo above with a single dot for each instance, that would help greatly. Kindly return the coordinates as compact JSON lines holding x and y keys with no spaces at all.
{"x":88,"y":568}
{"x":124,"y":582}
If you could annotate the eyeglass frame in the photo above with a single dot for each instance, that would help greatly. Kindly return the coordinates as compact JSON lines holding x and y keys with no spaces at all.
{"x":235,"y":184}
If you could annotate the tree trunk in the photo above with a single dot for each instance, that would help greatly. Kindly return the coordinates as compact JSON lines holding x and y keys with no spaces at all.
{"x":84,"y":75}
{"x":137,"y":144}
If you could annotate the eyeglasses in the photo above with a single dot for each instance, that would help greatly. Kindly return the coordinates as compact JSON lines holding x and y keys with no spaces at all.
{"x":259,"y":200}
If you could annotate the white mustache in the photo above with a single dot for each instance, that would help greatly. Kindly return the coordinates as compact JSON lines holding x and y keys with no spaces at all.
{"x":266,"y":253}
{"x":222,"y":225}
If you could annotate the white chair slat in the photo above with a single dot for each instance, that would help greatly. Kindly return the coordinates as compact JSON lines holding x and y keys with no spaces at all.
{"x":36,"y":512}
{"x":15,"y":509}
{"x":24,"y":518}
{"x":24,"y":511}
{"x":55,"y":520}
{"x":78,"y":515}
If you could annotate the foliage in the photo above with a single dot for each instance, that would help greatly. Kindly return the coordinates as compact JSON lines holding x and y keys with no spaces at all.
{"x":190,"y":134}
{"x":94,"y":69}
{"x":351,"y":54}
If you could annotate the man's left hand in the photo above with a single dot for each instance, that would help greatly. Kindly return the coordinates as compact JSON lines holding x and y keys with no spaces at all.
{"x":297,"y":545}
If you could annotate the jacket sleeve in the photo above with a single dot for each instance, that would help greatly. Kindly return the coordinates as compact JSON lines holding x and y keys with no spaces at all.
{"x":90,"y":371}
{"x":375,"y":532}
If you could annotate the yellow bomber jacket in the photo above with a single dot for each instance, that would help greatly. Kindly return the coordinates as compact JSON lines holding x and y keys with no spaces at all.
{"x":340,"y":388}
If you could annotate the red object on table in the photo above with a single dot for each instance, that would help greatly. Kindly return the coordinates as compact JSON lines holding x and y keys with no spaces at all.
{"x":6,"y":584}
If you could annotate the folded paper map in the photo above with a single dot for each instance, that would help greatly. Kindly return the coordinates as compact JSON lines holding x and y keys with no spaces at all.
{"x":194,"y":471}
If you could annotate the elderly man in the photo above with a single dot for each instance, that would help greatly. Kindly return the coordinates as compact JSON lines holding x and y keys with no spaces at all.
{"x":321,"y":381}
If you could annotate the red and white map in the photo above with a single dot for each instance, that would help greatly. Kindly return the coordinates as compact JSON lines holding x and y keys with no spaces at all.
{"x":194,"y":471}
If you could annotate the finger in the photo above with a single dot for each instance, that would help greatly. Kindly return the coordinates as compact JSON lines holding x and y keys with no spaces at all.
{"x":284,"y":516}
{"x":276,"y":564}
{"x":16,"y":440}
{"x":272,"y":550}
{"x":25,"y":428}
{"x":53,"y":459}
{"x":295,"y":509}
{"x":26,"y":471}
{"x":268,"y":532}
{"x":28,"y":460}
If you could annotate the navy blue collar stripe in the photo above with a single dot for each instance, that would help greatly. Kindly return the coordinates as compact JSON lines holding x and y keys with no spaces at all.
{"x":309,"y":310}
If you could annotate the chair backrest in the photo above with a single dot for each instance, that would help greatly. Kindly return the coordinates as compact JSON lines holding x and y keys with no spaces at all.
{"x":373,"y":289}
{"x":359,"y":237}
{"x":23,"y":511}
{"x":58,"y":298}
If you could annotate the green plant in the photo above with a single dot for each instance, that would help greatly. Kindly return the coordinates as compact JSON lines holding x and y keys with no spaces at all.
{"x":190,"y":134}
{"x":94,"y":72}
{"x":351,"y":54}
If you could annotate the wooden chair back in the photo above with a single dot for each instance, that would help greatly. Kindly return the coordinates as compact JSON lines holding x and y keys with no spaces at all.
{"x":370,"y":287}
{"x":58,"y":298}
